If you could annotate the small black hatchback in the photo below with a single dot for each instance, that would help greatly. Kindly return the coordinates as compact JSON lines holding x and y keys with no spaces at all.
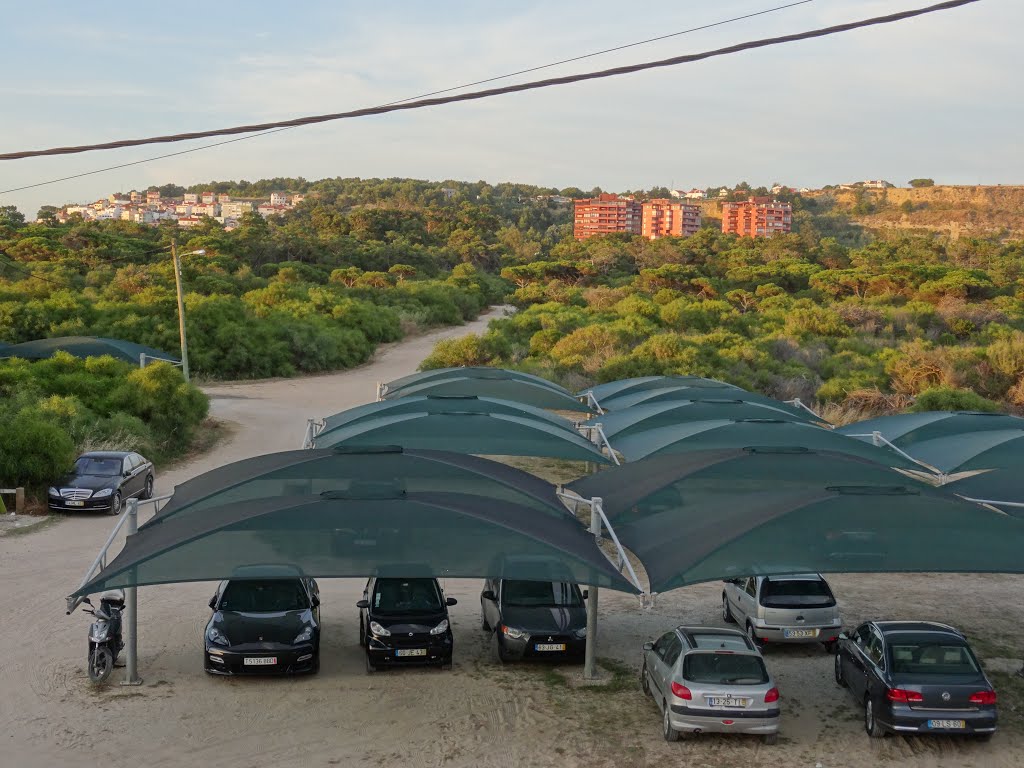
{"x":405,"y":622}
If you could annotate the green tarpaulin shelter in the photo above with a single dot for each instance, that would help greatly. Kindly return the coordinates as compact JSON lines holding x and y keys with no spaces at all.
{"x":516,"y":390}
{"x":640,"y":418}
{"x":395,"y":387}
{"x":85,"y":346}
{"x":703,"y":435}
{"x":389,"y":532}
{"x":905,"y":429}
{"x":664,"y":394}
{"x":994,"y":449}
{"x":644,"y":383}
{"x":717,"y":514}
{"x":477,"y":433}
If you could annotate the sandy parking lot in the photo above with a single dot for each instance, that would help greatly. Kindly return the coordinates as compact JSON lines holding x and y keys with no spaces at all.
{"x":479,"y":714}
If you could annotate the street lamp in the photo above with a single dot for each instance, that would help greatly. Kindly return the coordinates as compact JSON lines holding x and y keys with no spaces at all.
{"x":181,"y":302}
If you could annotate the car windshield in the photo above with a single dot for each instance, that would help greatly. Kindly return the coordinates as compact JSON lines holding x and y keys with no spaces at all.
{"x":796,"y":593}
{"x":406,"y":596}
{"x":90,"y":465}
{"x":724,"y":669}
{"x":264,"y":596}
{"x":547,"y":594}
{"x":932,"y":658}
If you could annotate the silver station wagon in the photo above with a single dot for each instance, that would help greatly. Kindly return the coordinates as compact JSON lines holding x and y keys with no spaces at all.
{"x":797,"y":608}
{"x":705,"y":679}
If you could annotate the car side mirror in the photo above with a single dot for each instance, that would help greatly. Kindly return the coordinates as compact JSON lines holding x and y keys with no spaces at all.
{"x":213,"y":603}
{"x":363,"y":604}
{"x":87,"y":601}
{"x":314,"y":601}
{"x":648,"y":646}
{"x":451,"y":601}
{"x":586,"y":594}
{"x":488,"y":594}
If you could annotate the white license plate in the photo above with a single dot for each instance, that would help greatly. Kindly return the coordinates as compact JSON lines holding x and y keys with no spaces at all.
{"x":76,"y":503}
{"x":549,"y":647}
{"x":950,"y":724}
{"x":411,"y":652}
{"x":727,"y":701}
{"x":259,"y":661}
{"x":796,"y":633}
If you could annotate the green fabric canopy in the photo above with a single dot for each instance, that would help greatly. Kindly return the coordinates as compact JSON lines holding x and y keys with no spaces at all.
{"x":388,"y":532}
{"x":703,"y":435}
{"x":477,"y":433}
{"x":310,"y":472}
{"x":995,"y":449}
{"x":643,"y":383}
{"x":664,"y":394}
{"x":84,"y":346}
{"x":905,"y":429}
{"x":516,"y":390}
{"x":441,"y":404}
{"x":995,"y":485}
{"x":640,"y":418}
{"x":718,"y":514}
{"x":394,"y":388}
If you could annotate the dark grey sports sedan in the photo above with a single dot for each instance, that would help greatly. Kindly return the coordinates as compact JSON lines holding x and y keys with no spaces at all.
{"x":101,"y":481}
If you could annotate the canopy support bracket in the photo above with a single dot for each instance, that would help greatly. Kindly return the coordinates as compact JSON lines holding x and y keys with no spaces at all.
{"x":131,"y":610}
{"x":880,"y":441}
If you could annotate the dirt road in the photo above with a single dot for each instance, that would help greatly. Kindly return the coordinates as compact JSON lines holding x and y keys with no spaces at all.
{"x":479,"y":714}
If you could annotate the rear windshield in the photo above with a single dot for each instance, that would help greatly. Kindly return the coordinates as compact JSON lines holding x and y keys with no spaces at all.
{"x":548,"y":594}
{"x":264,"y":596}
{"x":724,"y":669}
{"x":90,"y":465}
{"x":406,"y":596}
{"x":932,"y":658}
{"x":796,"y":593}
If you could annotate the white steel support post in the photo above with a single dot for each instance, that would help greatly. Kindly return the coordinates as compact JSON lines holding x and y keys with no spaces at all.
{"x":131,"y":611}
{"x":589,"y":659}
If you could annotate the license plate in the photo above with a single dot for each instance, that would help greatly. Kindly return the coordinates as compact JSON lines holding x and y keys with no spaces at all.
{"x":950,"y":724}
{"x":259,"y":661}
{"x":549,"y":647}
{"x":795,"y":633}
{"x":76,"y":503}
{"x":727,"y":701}
{"x":411,"y":652}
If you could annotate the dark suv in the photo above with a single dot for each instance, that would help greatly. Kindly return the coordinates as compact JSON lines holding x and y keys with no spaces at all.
{"x":405,"y":622}
{"x":102,"y":481}
{"x":535,"y":619}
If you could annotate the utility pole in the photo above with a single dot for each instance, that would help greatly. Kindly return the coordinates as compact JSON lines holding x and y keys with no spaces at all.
{"x":181,"y":308}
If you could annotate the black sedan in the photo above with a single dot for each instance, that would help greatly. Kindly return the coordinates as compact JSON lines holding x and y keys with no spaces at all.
{"x":403,"y":622}
{"x":916,"y":677}
{"x":535,"y":619}
{"x":264,"y":626}
{"x":102,"y":481}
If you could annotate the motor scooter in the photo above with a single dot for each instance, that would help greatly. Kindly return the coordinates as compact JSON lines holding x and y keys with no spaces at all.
{"x":105,"y":635}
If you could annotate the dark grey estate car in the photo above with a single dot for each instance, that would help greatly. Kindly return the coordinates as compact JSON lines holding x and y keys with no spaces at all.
{"x":535,"y":619}
{"x":102,"y":481}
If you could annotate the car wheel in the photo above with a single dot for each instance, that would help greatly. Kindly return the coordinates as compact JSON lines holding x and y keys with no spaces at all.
{"x":147,"y":492}
{"x":498,"y":651}
{"x":483,"y":621}
{"x":983,"y":736}
{"x":645,"y":684}
{"x":830,"y":646}
{"x":101,"y":664}
{"x":871,"y":725}
{"x":758,"y":642}
{"x":670,"y":733}
{"x":840,"y":680}
{"x":771,"y":739}
{"x":446,"y":664}
{"x":362,"y":633}
{"x":315,"y":666}
{"x":115,"y":504}
{"x":370,"y":669}
{"x":727,"y":616}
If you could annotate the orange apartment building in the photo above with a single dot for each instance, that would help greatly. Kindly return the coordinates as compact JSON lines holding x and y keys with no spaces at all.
{"x":757,"y":217}
{"x":664,"y":217}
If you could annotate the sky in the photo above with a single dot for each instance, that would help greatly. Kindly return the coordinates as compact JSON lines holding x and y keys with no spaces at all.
{"x":937,"y":97}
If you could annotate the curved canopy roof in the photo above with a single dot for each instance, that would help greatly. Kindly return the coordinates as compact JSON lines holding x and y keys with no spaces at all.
{"x":388,"y":532}
{"x":640,"y":418}
{"x":84,"y":346}
{"x":905,"y":429}
{"x":643,"y":383}
{"x":994,"y":485}
{"x":441,"y":404}
{"x":469,"y":372}
{"x":664,"y":394}
{"x":479,"y":433}
{"x":994,"y":449}
{"x":310,"y":472}
{"x":722,"y":513}
{"x":703,"y":435}
{"x":516,"y":390}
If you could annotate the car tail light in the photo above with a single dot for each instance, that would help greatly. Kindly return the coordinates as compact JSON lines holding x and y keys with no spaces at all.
{"x":772,"y":695}
{"x":681,"y":691}
{"x":983,"y":697}
{"x":901,"y":696}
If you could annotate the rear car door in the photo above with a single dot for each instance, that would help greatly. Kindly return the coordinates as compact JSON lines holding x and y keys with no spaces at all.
{"x":656,"y":667}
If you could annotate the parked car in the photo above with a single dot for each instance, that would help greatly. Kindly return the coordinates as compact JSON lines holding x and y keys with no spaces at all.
{"x":535,"y":619}
{"x":264,"y":626}
{"x":916,"y":677}
{"x":103,"y":480}
{"x":710,"y":680}
{"x":797,"y":608}
{"x":405,"y":622}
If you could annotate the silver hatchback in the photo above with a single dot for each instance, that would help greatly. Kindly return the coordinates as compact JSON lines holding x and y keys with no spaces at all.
{"x":705,"y":679}
{"x":796,"y":608}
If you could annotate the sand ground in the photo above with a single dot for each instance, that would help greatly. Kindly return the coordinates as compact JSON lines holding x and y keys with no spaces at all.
{"x":479,"y":714}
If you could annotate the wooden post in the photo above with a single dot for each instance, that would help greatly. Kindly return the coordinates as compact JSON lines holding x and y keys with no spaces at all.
{"x":19,"y":500}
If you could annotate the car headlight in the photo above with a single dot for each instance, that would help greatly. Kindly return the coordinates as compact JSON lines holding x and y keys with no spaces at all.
{"x":103,"y":493}
{"x":580,"y":633}
{"x":512,"y":632}
{"x":51,"y":491}
{"x":440,"y":628}
{"x":217,"y":637}
{"x":378,"y":630}
{"x":304,"y":636}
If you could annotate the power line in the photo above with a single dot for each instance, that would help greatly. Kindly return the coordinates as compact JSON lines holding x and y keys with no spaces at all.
{"x":488,"y":93}
{"x":15,"y":266}
{"x":420,"y":96}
